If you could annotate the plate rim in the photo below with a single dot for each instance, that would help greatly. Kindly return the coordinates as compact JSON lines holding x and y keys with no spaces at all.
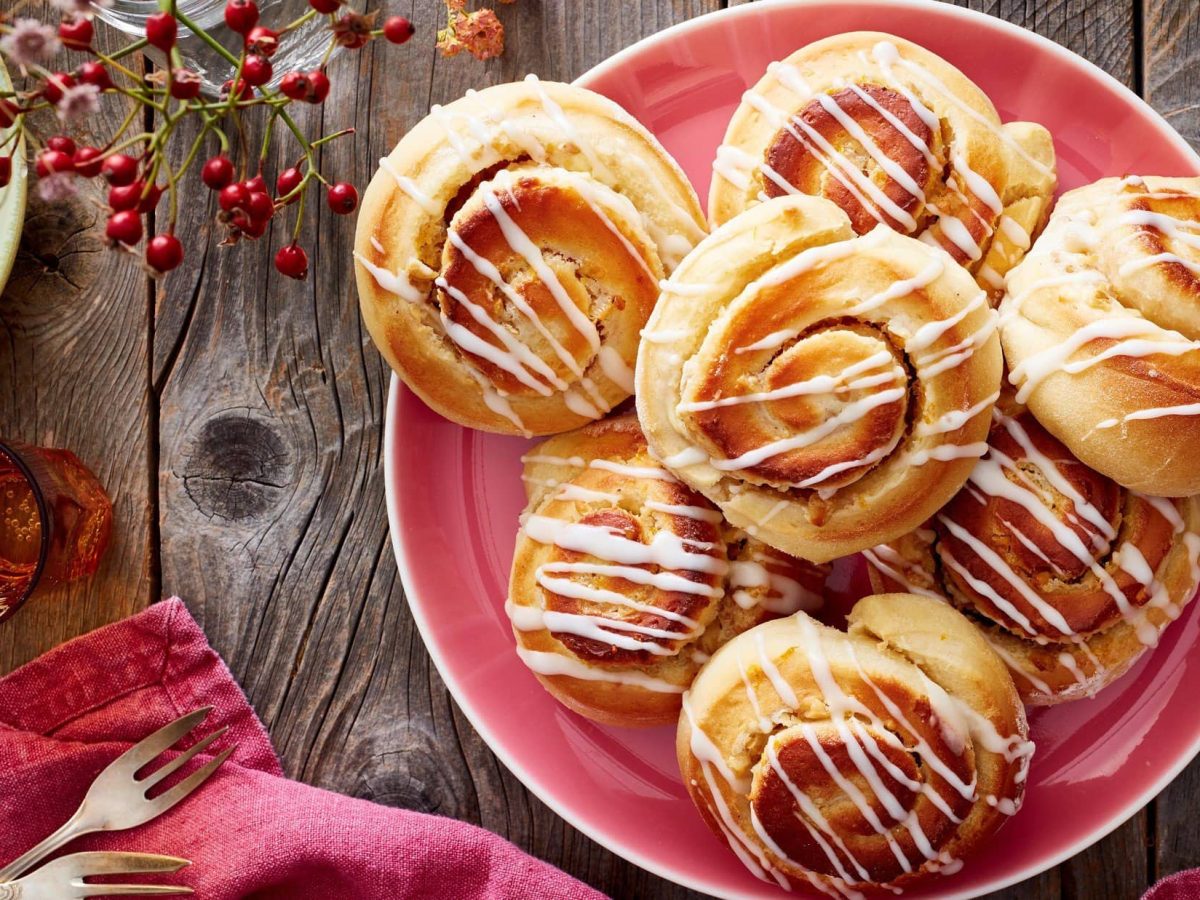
{"x":390,"y":448}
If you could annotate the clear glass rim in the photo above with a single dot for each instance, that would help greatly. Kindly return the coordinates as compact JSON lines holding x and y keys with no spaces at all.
{"x":11,"y":449}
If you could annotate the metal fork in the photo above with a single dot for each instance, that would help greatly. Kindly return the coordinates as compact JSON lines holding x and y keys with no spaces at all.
{"x":117,"y":800}
{"x":62,"y":879}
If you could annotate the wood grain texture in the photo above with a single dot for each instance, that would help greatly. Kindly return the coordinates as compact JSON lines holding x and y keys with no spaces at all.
{"x":73,"y":373}
{"x":237,"y":417}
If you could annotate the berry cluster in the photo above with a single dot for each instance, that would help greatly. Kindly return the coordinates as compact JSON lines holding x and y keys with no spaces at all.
{"x":135,"y":163}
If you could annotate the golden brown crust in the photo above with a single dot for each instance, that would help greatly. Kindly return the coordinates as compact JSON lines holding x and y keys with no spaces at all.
{"x":625,"y":580}
{"x":509,"y":250}
{"x":863,"y":761}
{"x":823,"y":389}
{"x":1102,"y":330}
{"x":892,"y":134}
{"x":1069,"y":576}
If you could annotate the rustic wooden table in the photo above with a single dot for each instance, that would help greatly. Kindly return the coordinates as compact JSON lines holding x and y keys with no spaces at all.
{"x":236,"y":418}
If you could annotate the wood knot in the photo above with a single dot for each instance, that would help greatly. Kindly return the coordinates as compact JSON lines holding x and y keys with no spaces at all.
{"x":238,"y":468}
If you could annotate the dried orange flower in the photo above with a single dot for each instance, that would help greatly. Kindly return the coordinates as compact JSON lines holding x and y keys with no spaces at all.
{"x":480,"y":33}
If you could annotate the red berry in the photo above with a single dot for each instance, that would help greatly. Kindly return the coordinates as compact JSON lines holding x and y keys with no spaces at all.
{"x":249,"y":227}
{"x":150,"y":198}
{"x":294,"y":85}
{"x":217,"y":172}
{"x":233,"y":196}
{"x":87,"y":161}
{"x":292,"y":261}
{"x":62,"y":143}
{"x":257,"y":183}
{"x":161,"y":31}
{"x":318,"y":87}
{"x":325,"y":6}
{"x":262,"y":40}
{"x":55,"y":85}
{"x":8,"y":113}
{"x":243,"y":91}
{"x":260,"y":206}
{"x":125,"y":196}
{"x":5,"y":170}
{"x":342,"y":198}
{"x":164,"y":252}
{"x":119,"y":169}
{"x":256,"y":70}
{"x":52,"y":161}
{"x":185,"y":84}
{"x":398,"y":29}
{"x":76,"y":32}
{"x":288,"y":181}
{"x":124,"y":227}
{"x":94,"y":73}
{"x":241,"y":15}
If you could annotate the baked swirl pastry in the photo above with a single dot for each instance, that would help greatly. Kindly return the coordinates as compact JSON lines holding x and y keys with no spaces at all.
{"x":858,"y":763}
{"x":624,"y":580}
{"x":823,"y":389}
{"x":1102,"y":330}
{"x":894,"y":135}
{"x":509,"y":251}
{"x":1070,"y":576}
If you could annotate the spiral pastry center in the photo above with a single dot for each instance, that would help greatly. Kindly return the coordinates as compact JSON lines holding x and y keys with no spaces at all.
{"x":528,"y":289}
{"x":861,"y":132}
{"x":844,"y":805}
{"x":837,"y":394}
{"x":1046,"y":546}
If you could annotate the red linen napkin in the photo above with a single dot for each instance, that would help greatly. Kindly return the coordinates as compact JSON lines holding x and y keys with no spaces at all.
{"x":249,"y":832}
{"x":1180,"y":886}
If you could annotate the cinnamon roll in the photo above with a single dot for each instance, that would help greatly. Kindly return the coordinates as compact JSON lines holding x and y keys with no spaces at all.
{"x":509,"y":251}
{"x":894,"y":135}
{"x":827,"y":391}
{"x":625,"y":580}
{"x":1101,"y":328}
{"x":1070,"y":576}
{"x":859,"y":763}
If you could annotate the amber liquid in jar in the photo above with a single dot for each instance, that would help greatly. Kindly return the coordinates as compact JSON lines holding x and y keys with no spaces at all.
{"x":59,"y":541}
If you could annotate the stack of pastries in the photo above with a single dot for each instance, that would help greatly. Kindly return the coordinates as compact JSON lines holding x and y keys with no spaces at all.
{"x":884,"y":340}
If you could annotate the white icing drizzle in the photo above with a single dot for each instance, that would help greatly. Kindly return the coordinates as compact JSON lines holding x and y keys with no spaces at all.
{"x":1135,"y":337}
{"x":392,"y":282}
{"x":613,"y":365}
{"x":548,"y":663}
{"x":852,"y":412}
{"x":887,"y":55}
{"x":819,"y":384}
{"x":772,"y":341}
{"x":665,"y":336}
{"x":1154,"y":412}
{"x":406,"y":184}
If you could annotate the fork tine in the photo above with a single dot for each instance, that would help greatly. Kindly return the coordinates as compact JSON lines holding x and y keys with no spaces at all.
{"x":173,"y":795}
{"x":159,"y":774}
{"x":108,"y":890}
{"x":147,"y":749}
{"x":110,"y":862}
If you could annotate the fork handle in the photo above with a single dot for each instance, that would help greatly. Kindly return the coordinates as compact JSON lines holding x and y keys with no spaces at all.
{"x":67,"y":832}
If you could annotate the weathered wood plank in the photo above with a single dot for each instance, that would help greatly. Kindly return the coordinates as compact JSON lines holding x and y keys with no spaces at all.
{"x":273,"y":517}
{"x":1171,"y":34}
{"x":74,"y":374}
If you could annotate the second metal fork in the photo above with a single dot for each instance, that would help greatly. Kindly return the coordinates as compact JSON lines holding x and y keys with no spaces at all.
{"x":118,"y":800}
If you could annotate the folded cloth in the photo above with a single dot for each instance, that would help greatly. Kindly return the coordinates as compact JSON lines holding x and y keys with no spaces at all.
{"x":1180,"y":886}
{"x":249,"y":832}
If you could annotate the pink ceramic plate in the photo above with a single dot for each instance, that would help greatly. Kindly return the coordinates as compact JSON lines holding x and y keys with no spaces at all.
{"x":454,"y":494}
